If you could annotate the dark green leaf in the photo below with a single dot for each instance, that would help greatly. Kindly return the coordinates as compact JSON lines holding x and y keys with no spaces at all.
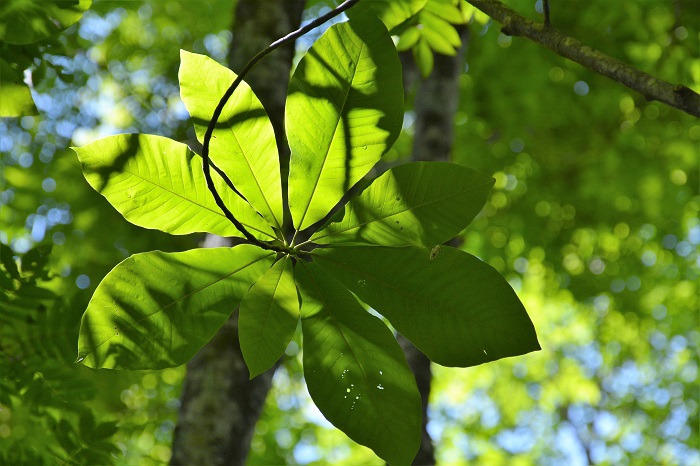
{"x":355,"y":370}
{"x":27,"y":21}
{"x":456,"y":309}
{"x":35,"y":260}
{"x":8,"y":260}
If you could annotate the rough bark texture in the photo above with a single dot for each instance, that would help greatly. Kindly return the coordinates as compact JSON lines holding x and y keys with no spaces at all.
{"x":220,"y":405}
{"x":435,"y":106}
{"x":652,"y":88}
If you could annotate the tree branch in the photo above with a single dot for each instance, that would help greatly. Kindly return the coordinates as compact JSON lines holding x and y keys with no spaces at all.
{"x":677,"y":96}
{"x":292,"y":36}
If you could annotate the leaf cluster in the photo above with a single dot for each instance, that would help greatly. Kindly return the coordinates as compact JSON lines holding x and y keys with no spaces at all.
{"x":380,"y":248}
{"x":41,"y":395}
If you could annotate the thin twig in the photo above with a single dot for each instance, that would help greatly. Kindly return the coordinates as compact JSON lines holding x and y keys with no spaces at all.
{"x":227,"y":95}
{"x":652,"y":88}
{"x":545,"y":10}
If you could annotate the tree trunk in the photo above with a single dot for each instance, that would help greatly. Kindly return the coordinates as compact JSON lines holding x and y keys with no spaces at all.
{"x":436,"y":103}
{"x":220,"y":405}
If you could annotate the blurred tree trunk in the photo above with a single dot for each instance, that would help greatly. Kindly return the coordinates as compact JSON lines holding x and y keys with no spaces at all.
{"x":436,"y":103}
{"x":219,"y":404}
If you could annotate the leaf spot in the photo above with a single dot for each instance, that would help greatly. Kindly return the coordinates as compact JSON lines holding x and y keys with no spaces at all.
{"x":380,"y":387}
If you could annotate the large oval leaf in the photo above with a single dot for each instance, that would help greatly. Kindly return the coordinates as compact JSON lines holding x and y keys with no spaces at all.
{"x":355,"y":370}
{"x":155,"y":182}
{"x":243,"y":143}
{"x":344,"y":110}
{"x":456,"y":309}
{"x":268,"y":317}
{"x":420,"y":204}
{"x":156,"y":310}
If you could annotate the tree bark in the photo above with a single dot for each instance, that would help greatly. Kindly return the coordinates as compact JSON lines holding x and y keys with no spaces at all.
{"x":436,"y":103}
{"x":219,"y":404}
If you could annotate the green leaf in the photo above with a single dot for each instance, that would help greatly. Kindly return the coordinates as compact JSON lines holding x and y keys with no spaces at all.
{"x":423,"y":56}
{"x":355,"y":370}
{"x":439,"y":34}
{"x":16,"y":98}
{"x":35,"y":260}
{"x":243,"y":143}
{"x":344,"y":111}
{"x":155,"y":182}
{"x":8,"y":261}
{"x":156,"y":310}
{"x":268,"y":317}
{"x":420,"y":204}
{"x":391,"y":12}
{"x":408,"y":39}
{"x":445,"y":9}
{"x":456,"y":309}
{"x":27,"y":21}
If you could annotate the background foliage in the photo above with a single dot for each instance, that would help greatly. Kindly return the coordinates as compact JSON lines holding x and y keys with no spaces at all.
{"x":593,"y":220}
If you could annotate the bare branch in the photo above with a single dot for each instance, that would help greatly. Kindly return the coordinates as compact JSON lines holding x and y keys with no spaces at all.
{"x":677,"y":96}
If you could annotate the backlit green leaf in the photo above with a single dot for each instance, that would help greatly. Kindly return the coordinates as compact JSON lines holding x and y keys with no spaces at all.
{"x":391,"y":12}
{"x":420,"y":204}
{"x":155,"y":182}
{"x":355,"y":370}
{"x":344,"y":110}
{"x":456,"y":309}
{"x":423,"y":56}
{"x":243,"y":143}
{"x":440,"y":34}
{"x":268,"y":317}
{"x":156,"y":310}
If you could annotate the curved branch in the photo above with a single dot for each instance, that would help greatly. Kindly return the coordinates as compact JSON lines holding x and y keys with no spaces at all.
{"x":677,"y":96}
{"x":227,"y":95}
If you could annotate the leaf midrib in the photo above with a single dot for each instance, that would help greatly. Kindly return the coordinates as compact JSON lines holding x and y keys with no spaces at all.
{"x":335,"y":131}
{"x":162,"y":309}
{"x":175,"y":194}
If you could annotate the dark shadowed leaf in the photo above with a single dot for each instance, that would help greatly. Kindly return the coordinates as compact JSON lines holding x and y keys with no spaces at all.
{"x":27,"y":21}
{"x":355,"y":370}
{"x":456,"y":309}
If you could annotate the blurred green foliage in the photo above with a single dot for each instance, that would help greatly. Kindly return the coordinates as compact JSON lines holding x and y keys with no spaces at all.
{"x":594,"y":221}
